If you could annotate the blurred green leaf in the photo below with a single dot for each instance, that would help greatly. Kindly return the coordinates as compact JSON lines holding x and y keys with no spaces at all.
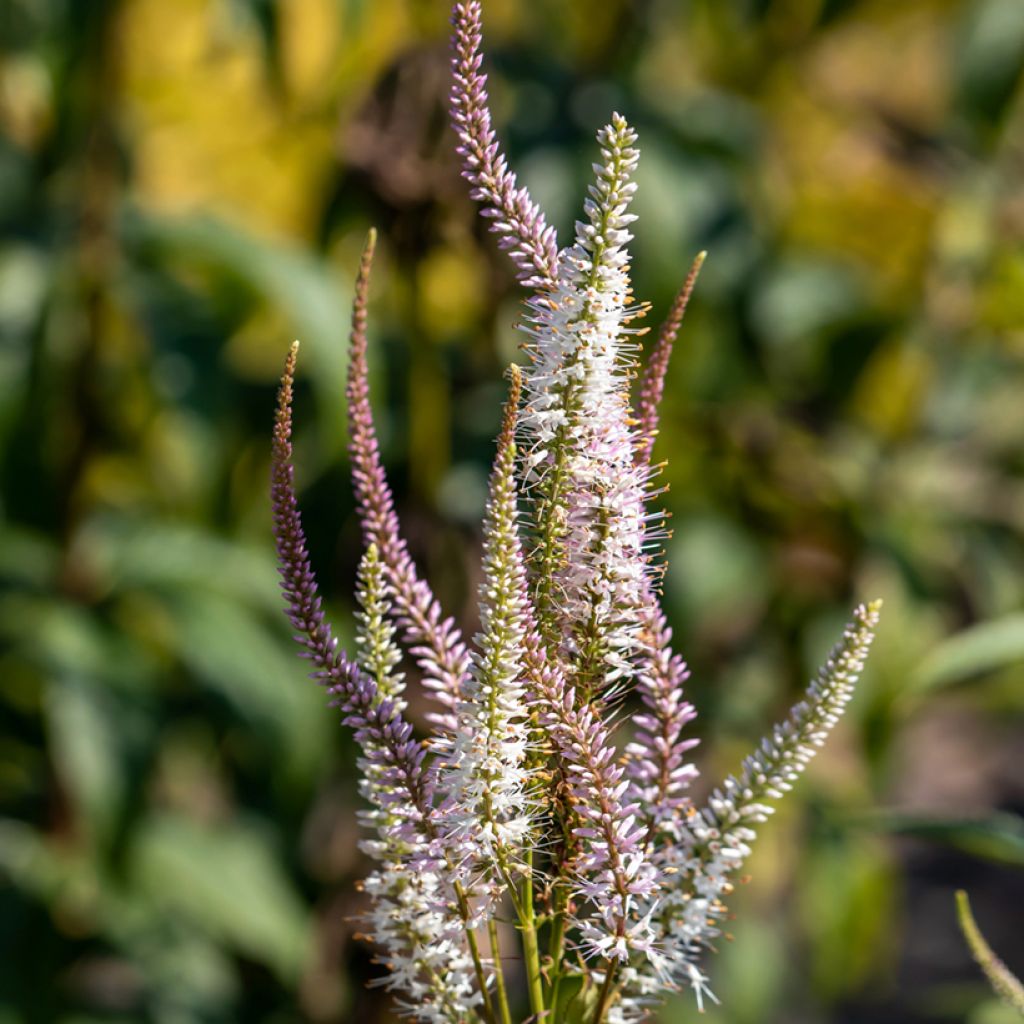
{"x":974,"y":651}
{"x":228,"y":879}
{"x":178,"y":557}
{"x":303,"y":287}
{"x":753,"y":976}
{"x":234,"y":654}
{"x":86,"y":735}
{"x":997,"y":838}
{"x":27,"y":557}
{"x":991,"y":55}
{"x":844,"y":895}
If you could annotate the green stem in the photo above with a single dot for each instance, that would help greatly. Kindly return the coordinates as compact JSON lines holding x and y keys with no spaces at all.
{"x":604,"y":1000}
{"x":499,"y":972}
{"x":531,"y":952}
{"x":556,"y":942}
{"x":1006,"y":985}
{"x":474,"y":952}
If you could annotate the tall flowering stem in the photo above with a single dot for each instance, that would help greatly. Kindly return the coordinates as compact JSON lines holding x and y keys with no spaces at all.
{"x":652,"y":382}
{"x":492,"y":806}
{"x":513,"y":215}
{"x":588,"y":496}
{"x":435,"y":639}
{"x":523,"y":804}
{"x":485,"y":771}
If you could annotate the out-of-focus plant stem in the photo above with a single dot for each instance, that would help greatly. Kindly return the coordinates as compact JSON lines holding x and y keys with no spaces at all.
{"x":1006,"y":985}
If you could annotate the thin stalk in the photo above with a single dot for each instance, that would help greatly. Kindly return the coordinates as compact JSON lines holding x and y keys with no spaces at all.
{"x":474,"y":952}
{"x":531,"y":951}
{"x":604,"y":1000}
{"x":556,"y":942}
{"x":499,"y":972}
{"x":1003,"y":981}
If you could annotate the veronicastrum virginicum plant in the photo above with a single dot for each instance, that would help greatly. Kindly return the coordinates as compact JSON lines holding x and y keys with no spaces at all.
{"x":521,"y":807}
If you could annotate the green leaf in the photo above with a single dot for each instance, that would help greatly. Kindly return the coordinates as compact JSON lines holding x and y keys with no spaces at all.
{"x":577,"y":998}
{"x":87,"y":745}
{"x":238,"y":657}
{"x":27,"y":557}
{"x":991,"y":55}
{"x":983,"y":648}
{"x":997,"y":838}
{"x":178,"y":557}
{"x":227,"y":879}
{"x":295,"y":282}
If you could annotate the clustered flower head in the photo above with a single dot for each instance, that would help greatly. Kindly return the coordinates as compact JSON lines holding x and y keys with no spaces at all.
{"x":526,"y":805}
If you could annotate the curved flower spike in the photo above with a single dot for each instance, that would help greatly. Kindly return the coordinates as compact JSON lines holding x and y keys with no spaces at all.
{"x":436,"y":640}
{"x":514,"y":216}
{"x":1004,"y":982}
{"x":658,"y":768}
{"x":652,"y":382}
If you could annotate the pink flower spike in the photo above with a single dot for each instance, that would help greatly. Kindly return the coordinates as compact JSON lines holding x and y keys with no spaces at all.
{"x":514,"y":216}
{"x":436,"y":640}
{"x":652,"y":383}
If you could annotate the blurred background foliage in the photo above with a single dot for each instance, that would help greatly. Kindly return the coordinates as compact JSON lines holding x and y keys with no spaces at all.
{"x":185,"y":186}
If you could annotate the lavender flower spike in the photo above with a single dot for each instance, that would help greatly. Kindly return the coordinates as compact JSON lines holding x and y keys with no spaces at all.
{"x":514,"y":216}
{"x":610,"y":875}
{"x":415,"y":914}
{"x":652,"y":383}
{"x":435,"y":640}
{"x":658,"y":769}
{"x":488,"y":810}
{"x":304,"y":607}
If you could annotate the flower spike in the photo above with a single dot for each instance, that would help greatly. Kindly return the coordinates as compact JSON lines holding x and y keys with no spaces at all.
{"x":588,"y":496}
{"x":520,"y":801}
{"x":610,"y":874}
{"x":379,"y":656}
{"x":435,"y":640}
{"x":1004,"y":982}
{"x":415,"y":914}
{"x":298,"y":583}
{"x":488,"y":808}
{"x":658,"y":768}
{"x":513,"y":215}
{"x":710,"y":848}
{"x":652,"y":383}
